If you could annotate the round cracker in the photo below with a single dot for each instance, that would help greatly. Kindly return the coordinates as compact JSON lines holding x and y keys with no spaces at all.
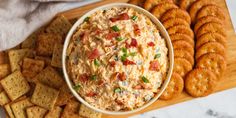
{"x":204,"y":20}
{"x":184,"y":54}
{"x":176,"y":13}
{"x":212,"y":10}
{"x":173,"y":22}
{"x":181,"y":29}
{"x":161,"y":8}
{"x":210,"y":47}
{"x":214,"y":62}
{"x":174,"y":88}
{"x":179,"y":36}
{"x":210,"y":37}
{"x":195,"y":7}
{"x":183,"y":45}
{"x":137,"y":2}
{"x":185,"y":4}
{"x":150,"y":4}
{"x":211,"y":27}
{"x":182,"y":66}
{"x":200,"y":82}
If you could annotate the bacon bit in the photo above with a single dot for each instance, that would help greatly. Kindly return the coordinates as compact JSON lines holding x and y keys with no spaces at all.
{"x":136,"y":29}
{"x":128,"y":62}
{"x":84,"y":37}
{"x":138,"y":87}
{"x":100,"y":82}
{"x":133,"y":43}
{"x":154,"y":66}
{"x":151,"y":44}
{"x":97,"y":31}
{"x":91,"y":94}
{"x":112,"y":63}
{"x":84,"y":77}
{"x":114,"y":76}
{"x":121,"y":76}
{"x":111,"y":35}
{"x":123,"y":16}
{"x":94,"y":54}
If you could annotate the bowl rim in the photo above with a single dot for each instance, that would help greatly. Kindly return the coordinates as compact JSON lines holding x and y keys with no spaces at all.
{"x":164,"y":34}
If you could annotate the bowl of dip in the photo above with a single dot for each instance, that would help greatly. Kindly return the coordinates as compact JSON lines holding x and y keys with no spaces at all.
{"x":117,"y":59}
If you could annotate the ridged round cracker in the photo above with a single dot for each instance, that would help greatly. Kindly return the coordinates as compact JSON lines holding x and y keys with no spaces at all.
{"x":176,"y":13}
{"x":174,"y":88}
{"x":195,"y":7}
{"x":178,"y":53}
{"x":211,"y":27}
{"x":182,"y":66}
{"x":179,"y":36}
{"x":137,"y":2}
{"x":185,"y":4}
{"x":200,"y":82}
{"x":205,"y":19}
{"x":181,"y":44}
{"x":181,"y":29}
{"x":161,"y":8}
{"x":212,"y":10}
{"x":173,"y":22}
{"x":210,"y":47}
{"x":150,"y":4}
{"x":214,"y":62}
{"x":210,"y":37}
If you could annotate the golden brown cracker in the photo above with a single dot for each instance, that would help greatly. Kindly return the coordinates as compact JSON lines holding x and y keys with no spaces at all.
{"x":137,"y":2}
{"x":210,"y":37}
{"x":54,"y":113}
{"x":64,"y":95}
{"x":181,"y":44}
{"x":150,"y":4}
{"x":210,"y":47}
{"x":211,"y":27}
{"x":185,"y":4}
{"x":71,"y":109}
{"x":181,"y":29}
{"x":214,"y":62}
{"x":182,"y":66}
{"x":19,"y":107}
{"x":161,"y":8}
{"x":47,"y":60}
{"x":174,"y":88}
{"x":180,"y":53}
{"x":176,"y":13}
{"x":200,"y":82}
{"x":4,"y":70}
{"x":3,"y":98}
{"x":57,"y":56}
{"x":212,"y":10}
{"x":173,"y":22}
{"x":35,"y":112}
{"x":84,"y":111}
{"x":179,"y":36}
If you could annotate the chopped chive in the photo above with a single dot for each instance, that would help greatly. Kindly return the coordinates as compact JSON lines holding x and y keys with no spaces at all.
{"x":117,"y":90}
{"x":76,"y":87}
{"x":124,"y":50}
{"x":119,"y":39}
{"x":123,"y":57}
{"x":86,"y":19}
{"x":157,"y":56}
{"x":145,"y":80}
{"x":134,"y":17}
{"x":115,"y":28}
{"x":93,"y":77}
{"x":133,"y":53}
{"x":96,"y":62}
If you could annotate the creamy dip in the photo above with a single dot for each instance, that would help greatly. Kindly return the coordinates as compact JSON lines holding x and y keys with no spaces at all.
{"x":117,"y":59}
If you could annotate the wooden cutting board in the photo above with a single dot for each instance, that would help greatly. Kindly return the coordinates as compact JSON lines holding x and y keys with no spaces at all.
{"x":227,"y":82}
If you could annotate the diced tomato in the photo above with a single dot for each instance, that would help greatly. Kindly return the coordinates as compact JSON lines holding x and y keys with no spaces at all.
{"x":151,"y":44}
{"x":94,"y":54}
{"x":91,"y":94}
{"x":97,"y":31}
{"x":84,"y":77}
{"x":112,"y":63}
{"x":138,"y":87}
{"x":128,"y":62}
{"x":123,"y":16}
{"x":84,"y":37}
{"x":111,"y":35}
{"x":154,"y":65}
{"x":136,"y":29}
{"x":133,"y":43}
{"x":121,"y":76}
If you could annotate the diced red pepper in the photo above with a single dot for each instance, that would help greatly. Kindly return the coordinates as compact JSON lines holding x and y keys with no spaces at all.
{"x":154,"y":65}
{"x":97,"y":31}
{"x":112,"y":63}
{"x":123,"y":16}
{"x":121,"y":76}
{"x":151,"y":44}
{"x":111,"y":35}
{"x":136,"y":29}
{"x":133,"y":43}
{"x":84,"y":77}
{"x":94,"y":54}
{"x":128,"y":62}
{"x":91,"y":94}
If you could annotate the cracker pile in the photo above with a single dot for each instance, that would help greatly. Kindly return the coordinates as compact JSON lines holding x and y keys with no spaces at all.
{"x":31,"y":78}
{"x":199,"y":42}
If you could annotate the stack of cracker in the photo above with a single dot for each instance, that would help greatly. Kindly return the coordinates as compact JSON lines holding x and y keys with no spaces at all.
{"x":31,"y":82}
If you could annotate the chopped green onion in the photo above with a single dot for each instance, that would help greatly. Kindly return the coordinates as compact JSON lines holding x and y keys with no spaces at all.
{"x":133,"y":53}
{"x":123,"y":57}
{"x":145,"y":80}
{"x":157,"y":56}
{"x":134,"y":18}
{"x":93,"y":77}
{"x":96,"y":62}
{"x":76,"y":87}
{"x":86,"y":19}
{"x":119,"y":39}
{"x":115,"y":28}
{"x":124,"y":50}
{"x":117,"y":90}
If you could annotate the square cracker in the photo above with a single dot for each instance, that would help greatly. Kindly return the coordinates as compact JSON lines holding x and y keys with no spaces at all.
{"x":4,"y":70}
{"x":35,"y":112}
{"x":4,"y":98}
{"x":64,"y":95}
{"x":71,"y":109}
{"x":47,"y":60}
{"x":44,"y":96}
{"x":8,"y":109}
{"x":50,"y":77}
{"x":60,"y":25}
{"x":57,"y":56}
{"x":88,"y":113}
{"x":19,"y":108}
{"x":31,"y":67}
{"x":16,"y":56}
{"x":45,"y":43}
{"x":15,"y":85}
{"x":54,"y":113}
